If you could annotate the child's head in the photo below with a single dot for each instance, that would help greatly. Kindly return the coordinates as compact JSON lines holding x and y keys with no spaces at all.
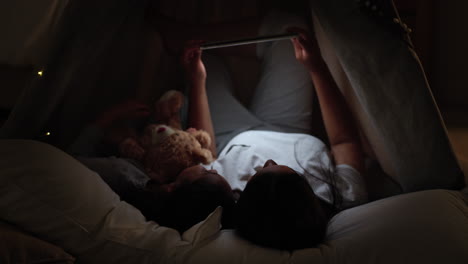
{"x":194,"y":194}
{"x":278,"y":209}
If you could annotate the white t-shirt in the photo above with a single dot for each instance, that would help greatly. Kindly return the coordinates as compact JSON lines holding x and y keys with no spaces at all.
{"x":303,"y":153}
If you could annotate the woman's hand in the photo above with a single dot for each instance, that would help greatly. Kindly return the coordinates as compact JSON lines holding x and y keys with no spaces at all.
{"x":128,"y":110}
{"x":341,"y":128}
{"x":306,"y":50}
{"x":192,"y":63}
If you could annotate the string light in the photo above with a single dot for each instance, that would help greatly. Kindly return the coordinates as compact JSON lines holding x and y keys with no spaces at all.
{"x":47,"y":133}
{"x":40,"y":73}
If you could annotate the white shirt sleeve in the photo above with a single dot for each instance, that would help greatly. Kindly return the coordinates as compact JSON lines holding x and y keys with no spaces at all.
{"x":315,"y":161}
{"x":351,"y":186}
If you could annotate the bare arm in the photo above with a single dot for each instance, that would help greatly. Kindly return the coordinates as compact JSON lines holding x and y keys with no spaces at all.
{"x":199,"y":111}
{"x":337,"y":117}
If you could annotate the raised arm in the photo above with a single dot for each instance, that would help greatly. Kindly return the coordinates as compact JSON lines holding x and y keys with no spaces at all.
{"x":199,"y":112}
{"x":339,"y":123}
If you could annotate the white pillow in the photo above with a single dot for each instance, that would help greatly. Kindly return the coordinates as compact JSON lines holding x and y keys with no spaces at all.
{"x":50,"y":194}
{"x":422,"y":227}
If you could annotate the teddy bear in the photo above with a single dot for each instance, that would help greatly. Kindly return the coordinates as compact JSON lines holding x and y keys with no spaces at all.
{"x":164,"y":148}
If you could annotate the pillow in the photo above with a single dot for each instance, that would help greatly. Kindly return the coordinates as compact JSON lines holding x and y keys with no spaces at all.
{"x":46,"y":192}
{"x":19,"y":247}
{"x":122,"y":175}
{"x":422,"y":227}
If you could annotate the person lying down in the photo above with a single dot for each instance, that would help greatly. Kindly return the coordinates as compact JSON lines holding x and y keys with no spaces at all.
{"x":141,"y":175}
{"x":286,"y":182}
{"x":150,"y":161}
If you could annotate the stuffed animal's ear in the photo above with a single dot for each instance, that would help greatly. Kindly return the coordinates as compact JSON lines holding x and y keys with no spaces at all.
{"x":203,"y":155}
{"x":167,"y":108}
{"x":203,"y":137}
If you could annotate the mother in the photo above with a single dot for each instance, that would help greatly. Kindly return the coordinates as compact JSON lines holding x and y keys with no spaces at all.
{"x":283,"y":206}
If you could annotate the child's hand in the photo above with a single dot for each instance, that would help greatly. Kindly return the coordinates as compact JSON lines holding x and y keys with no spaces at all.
{"x":129,"y":148}
{"x":306,"y":50}
{"x":128,"y":110}
{"x":192,"y":63}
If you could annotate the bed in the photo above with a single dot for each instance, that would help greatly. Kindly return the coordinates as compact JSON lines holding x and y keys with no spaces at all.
{"x":419,"y":212}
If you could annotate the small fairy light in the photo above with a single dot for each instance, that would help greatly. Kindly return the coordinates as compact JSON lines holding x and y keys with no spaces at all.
{"x":40,"y":73}
{"x":47,"y":133}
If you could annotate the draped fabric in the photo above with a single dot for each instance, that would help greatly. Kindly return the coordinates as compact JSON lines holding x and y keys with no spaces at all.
{"x":94,"y":63}
{"x":27,"y":28}
{"x":385,"y":85}
{"x":96,"y":60}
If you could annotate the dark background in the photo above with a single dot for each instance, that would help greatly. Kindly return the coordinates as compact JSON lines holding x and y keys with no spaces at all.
{"x":440,"y":36}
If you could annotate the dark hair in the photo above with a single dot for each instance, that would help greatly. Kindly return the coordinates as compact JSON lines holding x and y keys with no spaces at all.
{"x":192,"y":203}
{"x":325,"y":174}
{"x":280,"y":210}
{"x":187,"y":205}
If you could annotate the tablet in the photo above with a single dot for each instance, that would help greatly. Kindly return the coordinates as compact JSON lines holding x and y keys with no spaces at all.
{"x":230,"y":43}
